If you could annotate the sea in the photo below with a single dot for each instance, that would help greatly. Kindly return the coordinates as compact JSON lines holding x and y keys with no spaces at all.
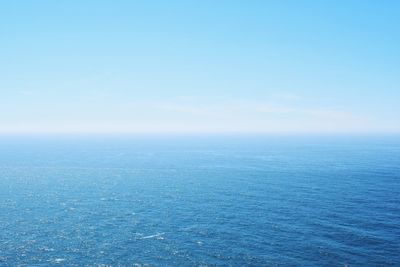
{"x":200,"y":200}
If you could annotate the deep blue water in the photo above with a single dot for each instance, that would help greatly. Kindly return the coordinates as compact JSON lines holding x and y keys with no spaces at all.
{"x":200,"y":201}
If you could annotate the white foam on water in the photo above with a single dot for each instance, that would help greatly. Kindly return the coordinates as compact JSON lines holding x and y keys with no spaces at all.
{"x":153,"y":236}
{"x":59,"y":260}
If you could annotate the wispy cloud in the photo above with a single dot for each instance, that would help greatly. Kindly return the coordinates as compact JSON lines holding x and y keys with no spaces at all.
{"x":27,"y":92}
{"x":188,"y":114}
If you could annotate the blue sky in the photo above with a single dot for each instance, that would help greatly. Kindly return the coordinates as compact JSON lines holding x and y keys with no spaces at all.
{"x":199,"y":66}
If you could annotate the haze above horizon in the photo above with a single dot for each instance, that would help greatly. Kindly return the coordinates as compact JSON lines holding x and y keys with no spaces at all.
{"x":199,"y":67}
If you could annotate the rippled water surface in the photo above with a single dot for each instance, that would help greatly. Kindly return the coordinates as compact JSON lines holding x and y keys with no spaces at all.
{"x":191,"y":201}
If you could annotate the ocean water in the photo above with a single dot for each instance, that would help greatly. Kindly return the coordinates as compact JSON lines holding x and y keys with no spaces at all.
{"x":200,"y":201}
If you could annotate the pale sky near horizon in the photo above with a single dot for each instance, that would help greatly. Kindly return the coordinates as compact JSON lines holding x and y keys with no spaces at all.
{"x":199,"y":66}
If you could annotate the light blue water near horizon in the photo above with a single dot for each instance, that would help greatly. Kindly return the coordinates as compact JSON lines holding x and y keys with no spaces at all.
{"x":200,"y":201}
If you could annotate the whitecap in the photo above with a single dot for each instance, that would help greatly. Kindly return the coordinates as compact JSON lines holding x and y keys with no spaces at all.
{"x":59,"y":260}
{"x":153,"y":236}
